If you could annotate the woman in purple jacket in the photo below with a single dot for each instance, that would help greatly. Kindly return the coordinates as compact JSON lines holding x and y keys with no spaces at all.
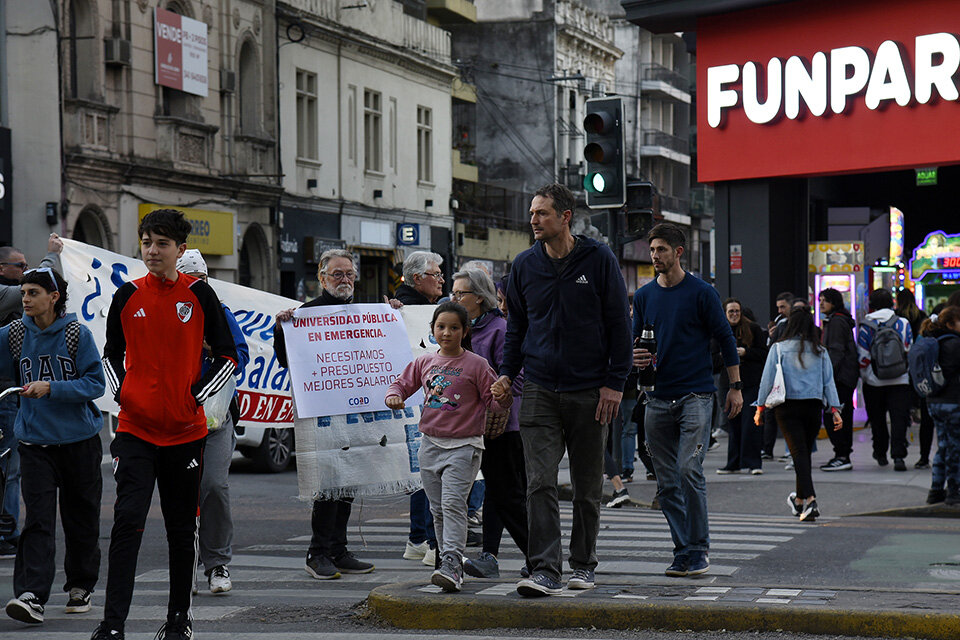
{"x":505,"y":501}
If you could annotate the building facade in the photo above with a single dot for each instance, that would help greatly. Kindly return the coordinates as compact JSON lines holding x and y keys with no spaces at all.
{"x":148,"y":123}
{"x":366,"y":102}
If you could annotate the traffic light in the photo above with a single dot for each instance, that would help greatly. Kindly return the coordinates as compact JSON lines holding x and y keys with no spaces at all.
{"x":605,"y":182}
{"x":642,"y":207}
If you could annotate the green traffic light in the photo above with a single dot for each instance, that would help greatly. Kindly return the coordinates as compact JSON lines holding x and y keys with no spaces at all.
{"x":598,"y":183}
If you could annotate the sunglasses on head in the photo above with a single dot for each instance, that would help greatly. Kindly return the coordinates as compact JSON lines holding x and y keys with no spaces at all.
{"x":48,"y":271}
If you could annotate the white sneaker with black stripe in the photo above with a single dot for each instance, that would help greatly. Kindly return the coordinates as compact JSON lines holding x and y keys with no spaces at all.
{"x":26,"y":608}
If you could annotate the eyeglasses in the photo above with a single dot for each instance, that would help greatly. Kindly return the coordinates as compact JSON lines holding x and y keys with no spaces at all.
{"x":342,"y":275}
{"x":22,"y":265}
{"x":438,"y":275}
{"x":46,"y":270}
{"x":458,"y":295}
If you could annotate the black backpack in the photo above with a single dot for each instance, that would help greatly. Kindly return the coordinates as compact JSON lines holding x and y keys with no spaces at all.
{"x":15,"y":341}
{"x":888,"y":356}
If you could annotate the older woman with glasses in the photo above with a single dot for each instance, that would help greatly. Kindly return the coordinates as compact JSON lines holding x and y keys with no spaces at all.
{"x":422,"y":279}
{"x":505,"y":501}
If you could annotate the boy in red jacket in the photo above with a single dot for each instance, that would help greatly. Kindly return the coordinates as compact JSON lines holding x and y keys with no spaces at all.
{"x":155,"y":330}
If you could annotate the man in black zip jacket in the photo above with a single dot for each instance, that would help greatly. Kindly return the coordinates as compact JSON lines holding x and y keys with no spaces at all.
{"x":568,"y":328}
{"x":838,"y":338}
{"x":327,"y":556}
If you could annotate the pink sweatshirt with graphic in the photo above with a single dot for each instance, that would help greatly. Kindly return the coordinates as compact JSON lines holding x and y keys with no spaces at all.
{"x":456,"y":393}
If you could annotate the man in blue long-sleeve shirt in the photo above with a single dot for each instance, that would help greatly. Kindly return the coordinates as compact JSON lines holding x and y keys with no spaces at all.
{"x":568,"y":327}
{"x":685,"y":313}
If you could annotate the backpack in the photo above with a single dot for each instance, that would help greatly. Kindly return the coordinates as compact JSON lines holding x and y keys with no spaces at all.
{"x":18,"y":330}
{"x":888,"y":357}
{"x":925,"y":372}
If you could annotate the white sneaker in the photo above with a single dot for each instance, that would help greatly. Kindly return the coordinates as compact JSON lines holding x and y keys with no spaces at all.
{"x":415,"y":551}
{"x":219,"y":580}
{"x":430,"y":558}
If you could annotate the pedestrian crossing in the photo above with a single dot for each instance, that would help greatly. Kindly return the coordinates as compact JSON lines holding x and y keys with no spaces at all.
{"x":634,"y":547}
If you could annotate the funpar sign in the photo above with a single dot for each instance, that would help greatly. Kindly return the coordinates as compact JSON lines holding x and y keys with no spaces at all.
{"x":821,"y":87}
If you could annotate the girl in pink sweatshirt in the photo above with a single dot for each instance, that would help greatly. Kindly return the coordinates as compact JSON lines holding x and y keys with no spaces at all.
{"x":456,"y":385}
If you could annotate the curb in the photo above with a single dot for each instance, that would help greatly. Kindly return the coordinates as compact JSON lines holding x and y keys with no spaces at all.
{"x":402,"y":609}
{"x":939,"y":510}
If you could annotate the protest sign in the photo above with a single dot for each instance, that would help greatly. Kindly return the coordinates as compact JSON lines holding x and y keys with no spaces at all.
{"x":342,"y":358}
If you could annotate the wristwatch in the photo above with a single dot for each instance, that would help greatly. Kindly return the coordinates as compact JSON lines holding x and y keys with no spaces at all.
{"x":738,"y":385}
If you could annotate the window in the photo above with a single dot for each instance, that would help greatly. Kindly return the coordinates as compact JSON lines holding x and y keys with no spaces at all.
{"x":424,"y":144}
{"x":249,"y":89}
{"x":306,"y":115}
{"x":352,"y":125}
{"x":393,"y":135}
{"x":82,"y":51}
{"x":372,"y":131}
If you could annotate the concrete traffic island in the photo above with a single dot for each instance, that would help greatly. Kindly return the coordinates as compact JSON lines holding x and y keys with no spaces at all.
{"x":489,"y":604}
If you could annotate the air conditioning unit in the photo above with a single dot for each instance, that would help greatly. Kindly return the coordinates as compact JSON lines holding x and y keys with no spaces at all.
{"x":116,"y":52}
{"x":228,"y":81}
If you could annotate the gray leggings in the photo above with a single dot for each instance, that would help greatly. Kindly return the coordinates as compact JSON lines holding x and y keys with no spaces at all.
{"x":447,"y":476}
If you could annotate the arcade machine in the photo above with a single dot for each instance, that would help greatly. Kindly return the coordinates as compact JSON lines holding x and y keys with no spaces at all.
{"x":838,"y":265}
{"x":935,"y":269}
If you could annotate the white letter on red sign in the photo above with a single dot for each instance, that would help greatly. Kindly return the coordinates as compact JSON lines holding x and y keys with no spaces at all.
{"x":941,"y":75}
{"x":888,"y":63}
{"x":811,"y":86}
{"x":758,"y":112}
{"x":719,"y":98}
{"x":840,"y":85}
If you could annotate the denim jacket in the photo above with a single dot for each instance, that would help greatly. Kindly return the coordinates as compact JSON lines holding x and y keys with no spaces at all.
{"x":814,"y":380}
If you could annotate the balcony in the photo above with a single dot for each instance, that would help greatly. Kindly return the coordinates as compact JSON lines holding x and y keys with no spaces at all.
{"x":90,"y":126}
{"x":444,"y":12}
{"x":462,"y":170}
{"x":659,"y":81}
{"x":664,"y":145}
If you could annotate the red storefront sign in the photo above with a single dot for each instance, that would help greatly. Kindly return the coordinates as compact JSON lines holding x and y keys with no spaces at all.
{"x":821,"y":87}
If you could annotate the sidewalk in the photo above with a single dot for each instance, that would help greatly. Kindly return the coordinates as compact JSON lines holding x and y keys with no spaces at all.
{"x":860,"y":572}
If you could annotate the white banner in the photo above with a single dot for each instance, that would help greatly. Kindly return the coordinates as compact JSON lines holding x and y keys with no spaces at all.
{"x":95,"y":274}
{"x":343,"y":357}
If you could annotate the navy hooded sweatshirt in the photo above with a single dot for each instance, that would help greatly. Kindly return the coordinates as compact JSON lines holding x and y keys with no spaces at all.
{"x":568,"y":331}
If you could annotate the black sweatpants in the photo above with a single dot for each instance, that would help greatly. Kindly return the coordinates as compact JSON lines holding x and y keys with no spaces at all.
{"x":842,"y":440}
{"x":799,"y":422}
{"x":329,"y":524}
{"x":73,"y":470}
{"x":505,"y":500}
{"x":137,"y":466}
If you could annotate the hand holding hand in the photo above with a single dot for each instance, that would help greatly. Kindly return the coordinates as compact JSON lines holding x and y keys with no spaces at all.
{"x":394,"y":402}
{"x":501,"y":389}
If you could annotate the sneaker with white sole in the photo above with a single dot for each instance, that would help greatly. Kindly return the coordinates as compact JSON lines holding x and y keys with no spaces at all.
{"x":26,"y":608}
{"x":430,"y":558}
{"x":810,"y":512}
{"x":485,"y":565}
{"x":756,"y":472}
{"x":539,"y":585}
{"x":219,"y":580}
{"x":449,"y":576}
{"x":581,"y":580}
{"x":78,"y":601}
{"x":619,"y":497}
{"x":699,"y":563}
{"x":795,"y":509}
{"x":321,"y":568}
{"x":837,"y":464}
{"x":415,"y":551}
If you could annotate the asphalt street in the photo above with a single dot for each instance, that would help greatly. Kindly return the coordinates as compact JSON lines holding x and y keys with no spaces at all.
{"x":761,"y":556}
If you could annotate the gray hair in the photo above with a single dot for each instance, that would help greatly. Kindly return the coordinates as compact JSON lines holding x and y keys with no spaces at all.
{"x":329,"y":255}
{"x":417,"y":263}
{"x":482,"y":285}
{"x":6,"y":252}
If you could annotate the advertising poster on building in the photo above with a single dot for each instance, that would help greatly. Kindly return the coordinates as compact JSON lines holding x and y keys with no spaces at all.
{"x":180,"y":52}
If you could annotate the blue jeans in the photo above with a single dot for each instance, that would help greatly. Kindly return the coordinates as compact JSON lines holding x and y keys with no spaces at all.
{"x":475,"y":501}
{"x":946,"y":464}
{"x":11,"y":496}
{"x":677,"y":435}
{"x":421,"y":520}
{"x":628,"y":434}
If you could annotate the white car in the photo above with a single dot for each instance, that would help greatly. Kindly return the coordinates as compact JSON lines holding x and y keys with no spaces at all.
{"x":270,"y":449}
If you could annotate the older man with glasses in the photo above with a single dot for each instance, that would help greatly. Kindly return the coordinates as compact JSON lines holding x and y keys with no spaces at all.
{"x":422,"y":279}
{"x":12,"y":265}
{"x":327,"y":556}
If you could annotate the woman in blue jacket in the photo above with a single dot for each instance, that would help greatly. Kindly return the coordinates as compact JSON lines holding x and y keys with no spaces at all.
{"x":808,"y":380}
{"x":54,"y":358}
